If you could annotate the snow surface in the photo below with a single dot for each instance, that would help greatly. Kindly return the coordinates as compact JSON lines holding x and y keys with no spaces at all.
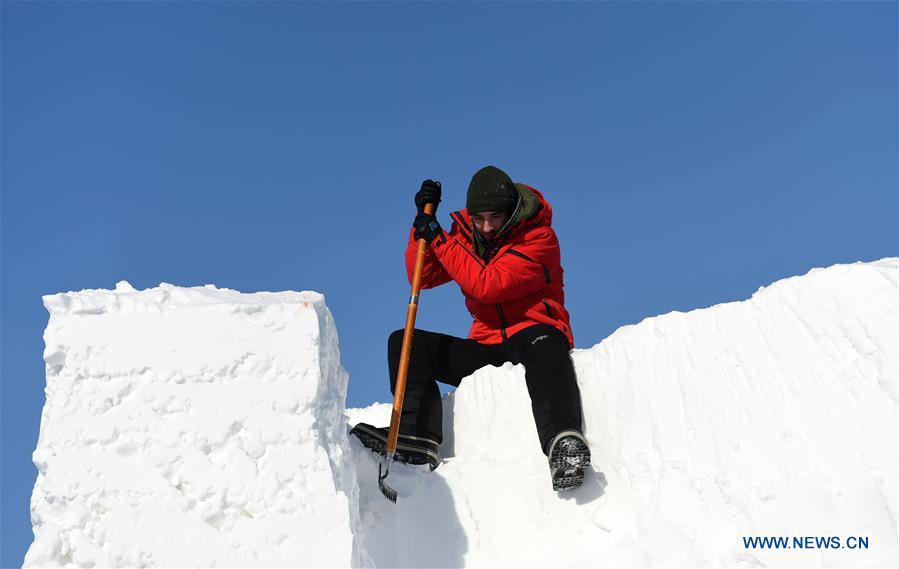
{"x":204,"y":427}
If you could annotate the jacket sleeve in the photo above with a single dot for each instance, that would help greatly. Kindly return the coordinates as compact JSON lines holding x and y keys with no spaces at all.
{"x":432,"y":273}
{"x":521,"y":270}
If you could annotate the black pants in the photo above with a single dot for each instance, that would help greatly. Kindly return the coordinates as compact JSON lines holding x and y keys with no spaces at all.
{"x":542,"y":349}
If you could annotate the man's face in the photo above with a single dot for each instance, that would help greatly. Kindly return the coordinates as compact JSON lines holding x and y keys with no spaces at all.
{"x":488,"y":223}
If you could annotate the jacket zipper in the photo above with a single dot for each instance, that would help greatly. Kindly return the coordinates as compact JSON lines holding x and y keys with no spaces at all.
{"x":458,"y":218}
{"x":502,"y":321}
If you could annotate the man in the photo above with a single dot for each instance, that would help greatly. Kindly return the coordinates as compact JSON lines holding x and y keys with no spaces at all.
{"x":504,"y":255}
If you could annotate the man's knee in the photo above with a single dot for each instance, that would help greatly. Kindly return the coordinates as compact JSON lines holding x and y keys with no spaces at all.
{"x":420,"y":340}
{"x":395,"y":341}
{"x":545,"y":342}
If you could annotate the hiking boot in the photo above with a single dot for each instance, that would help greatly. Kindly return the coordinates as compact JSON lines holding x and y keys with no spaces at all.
{"x":409,"y":449}
{"x":568,"y":456}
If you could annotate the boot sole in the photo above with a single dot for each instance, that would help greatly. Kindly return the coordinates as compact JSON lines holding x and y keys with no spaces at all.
{"x":567,"y":465}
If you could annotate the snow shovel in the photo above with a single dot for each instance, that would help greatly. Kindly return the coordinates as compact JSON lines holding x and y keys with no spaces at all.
{"x":405,"y":354}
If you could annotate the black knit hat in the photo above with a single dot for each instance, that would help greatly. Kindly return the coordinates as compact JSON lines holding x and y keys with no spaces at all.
{"x":491,"y":189}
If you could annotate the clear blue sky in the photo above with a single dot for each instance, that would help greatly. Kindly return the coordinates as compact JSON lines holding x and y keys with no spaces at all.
{"x":692,"y":153}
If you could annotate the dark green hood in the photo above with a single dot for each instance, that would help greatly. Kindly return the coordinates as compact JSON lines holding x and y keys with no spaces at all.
{"x":527,"y":207}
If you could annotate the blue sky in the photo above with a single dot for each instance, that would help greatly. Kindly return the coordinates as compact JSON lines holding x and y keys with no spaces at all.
{"x":692,"y":151}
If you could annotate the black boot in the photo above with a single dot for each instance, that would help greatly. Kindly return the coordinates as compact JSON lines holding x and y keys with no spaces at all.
{"x":409,"y":449}
{"x":568,"y":456}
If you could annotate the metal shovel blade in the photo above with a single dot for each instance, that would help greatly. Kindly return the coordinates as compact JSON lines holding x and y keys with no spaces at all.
{"x":388,"y":492}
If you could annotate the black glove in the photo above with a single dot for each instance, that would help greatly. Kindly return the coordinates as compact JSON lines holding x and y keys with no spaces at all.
{"x":428,"y":227}
{"x":429,"y":193}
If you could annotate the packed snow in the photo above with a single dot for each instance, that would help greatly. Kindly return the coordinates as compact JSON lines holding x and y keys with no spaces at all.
{"x":206,"y":427}
{"x":192,"y":427}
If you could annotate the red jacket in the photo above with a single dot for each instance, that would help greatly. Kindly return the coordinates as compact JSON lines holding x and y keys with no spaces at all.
{"x":520,"y":286}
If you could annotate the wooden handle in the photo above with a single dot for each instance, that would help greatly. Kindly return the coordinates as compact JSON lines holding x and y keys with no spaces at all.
{"x":400,"y":389}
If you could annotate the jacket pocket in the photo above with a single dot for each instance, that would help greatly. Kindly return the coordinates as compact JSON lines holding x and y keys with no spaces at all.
{"x":549,"y":309}
{"x":526,"y":258}
{"x":557,"y":315}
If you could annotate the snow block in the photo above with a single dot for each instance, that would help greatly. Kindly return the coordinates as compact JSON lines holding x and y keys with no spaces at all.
{"x":192,"y":427}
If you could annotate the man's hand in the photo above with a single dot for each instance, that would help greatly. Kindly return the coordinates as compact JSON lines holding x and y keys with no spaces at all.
{"x":427,"y":227}
{"x":429,"y":193}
